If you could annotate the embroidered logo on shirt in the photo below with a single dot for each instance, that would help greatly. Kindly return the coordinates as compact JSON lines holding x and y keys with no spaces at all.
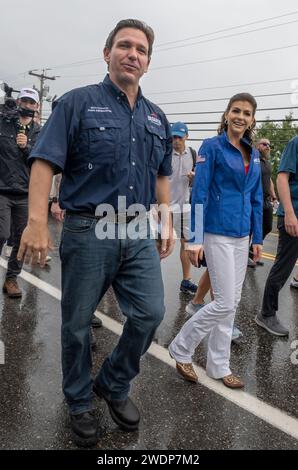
{"x":154,"y":119}
{"x":256,"y":160}
{"x":200,"y":159}
{"x":99,"y":109}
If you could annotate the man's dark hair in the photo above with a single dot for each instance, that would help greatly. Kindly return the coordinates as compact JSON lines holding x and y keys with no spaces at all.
{"x":131,"y":23}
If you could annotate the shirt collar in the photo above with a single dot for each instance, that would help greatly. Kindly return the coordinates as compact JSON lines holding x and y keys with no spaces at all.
{"x":243,"y":140}
{"x":180,"y":154}
{"x":115,"y":90}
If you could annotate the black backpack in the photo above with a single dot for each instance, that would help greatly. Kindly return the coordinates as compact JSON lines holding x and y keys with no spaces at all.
{"x":194,"y":157}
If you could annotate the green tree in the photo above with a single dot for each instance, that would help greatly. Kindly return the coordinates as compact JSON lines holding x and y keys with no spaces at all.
{"x":278,"y":134}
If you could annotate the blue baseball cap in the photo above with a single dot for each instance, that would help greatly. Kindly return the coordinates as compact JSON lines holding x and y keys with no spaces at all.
{"x":180,"y":129}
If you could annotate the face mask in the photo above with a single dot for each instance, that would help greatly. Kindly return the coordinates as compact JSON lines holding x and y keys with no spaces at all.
{"x":24,"y":112}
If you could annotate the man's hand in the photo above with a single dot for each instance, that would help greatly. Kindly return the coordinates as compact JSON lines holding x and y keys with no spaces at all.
{"x":22,"y":141}
{"x":195,"y":254}
{"x":190,"y":176}
{"x":291,"y":224}
{"x":257,"y":252}
{"x":166,"y":244}
{"x":57,"y":212}
{"x":35,"y":243}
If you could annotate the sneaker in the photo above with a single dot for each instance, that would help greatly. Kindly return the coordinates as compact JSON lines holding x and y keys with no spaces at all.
{"x":188,"y":286}
{"x":7,"y":251}
{"x":251,"y":263}
{"x":271,"y":324}
{"x":192,"y":308}
{"x":236,"y":335}
{"x":294,"y":283}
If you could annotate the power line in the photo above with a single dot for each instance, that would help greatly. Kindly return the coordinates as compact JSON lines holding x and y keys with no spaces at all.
{"x":97,"y":59}
{"x":222,"y":99}
{"x":227,"y":36}
{"x":229,"y":29}
{"x":259,"y":120}
{"x":221,"y":112}
{"x":220,"y":86}
{"x":282,"y":141}
{"x":216,"y":59}
{"x":214,"y":130}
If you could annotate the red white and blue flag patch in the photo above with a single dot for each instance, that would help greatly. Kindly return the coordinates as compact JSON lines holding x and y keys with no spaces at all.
{"x":200,"y":159}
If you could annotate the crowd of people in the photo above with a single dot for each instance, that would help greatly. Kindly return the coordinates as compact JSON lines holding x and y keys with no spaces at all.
{"x":106,"y":141}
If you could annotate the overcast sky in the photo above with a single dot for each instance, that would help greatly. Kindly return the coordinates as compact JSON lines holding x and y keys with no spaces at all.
{"x":191,"y":59}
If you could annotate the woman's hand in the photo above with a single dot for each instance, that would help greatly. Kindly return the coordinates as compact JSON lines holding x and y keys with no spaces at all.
{"x":195,"y":254}
{"x":257,"y":252}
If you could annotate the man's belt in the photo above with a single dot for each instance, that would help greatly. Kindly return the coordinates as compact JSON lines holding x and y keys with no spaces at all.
{"x":116,"y":218}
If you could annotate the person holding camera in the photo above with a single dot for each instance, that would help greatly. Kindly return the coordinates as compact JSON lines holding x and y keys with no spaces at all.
{"x":18,"y":133}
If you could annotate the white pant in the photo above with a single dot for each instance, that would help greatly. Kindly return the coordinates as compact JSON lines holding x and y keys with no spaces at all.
{"x":227,"y":261}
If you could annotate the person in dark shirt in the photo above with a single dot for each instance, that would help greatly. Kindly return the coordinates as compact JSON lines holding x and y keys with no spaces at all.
{"x":114,"y":149}
{"x":287,"y":247}
{"x":18,"y":133}
{"x":269,"y":196}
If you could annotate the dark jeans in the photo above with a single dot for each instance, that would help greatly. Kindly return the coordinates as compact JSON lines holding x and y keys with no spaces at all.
{"x":89,"y":267}
{"x":286,"y":257}
{"x":267,"y":224}
{"x":13,"y":213}
{"x":267,"y":220}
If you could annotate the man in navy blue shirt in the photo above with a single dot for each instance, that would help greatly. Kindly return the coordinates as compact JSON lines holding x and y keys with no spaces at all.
{"x":108,"y":141}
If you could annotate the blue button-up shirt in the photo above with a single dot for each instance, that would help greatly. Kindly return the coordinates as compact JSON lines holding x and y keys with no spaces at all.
{"x":104,"y":148}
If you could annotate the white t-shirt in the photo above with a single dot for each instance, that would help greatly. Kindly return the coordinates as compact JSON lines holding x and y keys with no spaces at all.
{"x":182,"y":164}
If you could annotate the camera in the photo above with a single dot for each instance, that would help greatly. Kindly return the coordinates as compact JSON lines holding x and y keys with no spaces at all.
{"x":8,"y":105}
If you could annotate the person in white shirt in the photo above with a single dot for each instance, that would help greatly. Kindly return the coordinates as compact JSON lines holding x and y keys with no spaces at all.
{"x":183,"y":162}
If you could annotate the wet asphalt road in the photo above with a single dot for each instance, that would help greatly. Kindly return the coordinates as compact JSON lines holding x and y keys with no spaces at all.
{"x":175,"y":414}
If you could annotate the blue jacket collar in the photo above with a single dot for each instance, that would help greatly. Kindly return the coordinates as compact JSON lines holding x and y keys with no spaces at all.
{"x":245,"y":141}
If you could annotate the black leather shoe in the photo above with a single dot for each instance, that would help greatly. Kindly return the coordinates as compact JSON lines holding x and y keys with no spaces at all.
{"x":84,"y":429}
{"x":123,"y":412}
{"x":96,"y":322}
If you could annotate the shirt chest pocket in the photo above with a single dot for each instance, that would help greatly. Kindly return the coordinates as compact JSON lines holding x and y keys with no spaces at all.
{"x":155,"y":139}
{"x":101,"y":140}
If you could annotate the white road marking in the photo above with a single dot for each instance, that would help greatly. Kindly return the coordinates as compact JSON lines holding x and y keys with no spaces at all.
{"x":271,"y":415}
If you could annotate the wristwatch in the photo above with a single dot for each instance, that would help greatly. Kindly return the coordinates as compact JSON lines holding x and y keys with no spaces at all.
{"x":54,"y":199}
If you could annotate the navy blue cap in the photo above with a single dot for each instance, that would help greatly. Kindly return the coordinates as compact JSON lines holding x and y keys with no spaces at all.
{"x":180,"y":129}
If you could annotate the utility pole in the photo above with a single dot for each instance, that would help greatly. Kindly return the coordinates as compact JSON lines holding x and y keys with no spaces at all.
{"x":42,"y":77}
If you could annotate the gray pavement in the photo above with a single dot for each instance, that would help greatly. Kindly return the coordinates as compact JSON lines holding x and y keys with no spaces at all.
{"x":175,"y":414}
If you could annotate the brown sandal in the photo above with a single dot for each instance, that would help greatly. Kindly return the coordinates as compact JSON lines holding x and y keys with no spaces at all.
{"x":232,"y":381}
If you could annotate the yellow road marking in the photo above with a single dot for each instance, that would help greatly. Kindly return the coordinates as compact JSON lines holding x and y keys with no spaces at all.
{"x":271,"y":257}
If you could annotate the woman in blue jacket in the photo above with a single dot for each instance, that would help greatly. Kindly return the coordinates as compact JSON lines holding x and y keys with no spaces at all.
{"x":226,"y":208}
